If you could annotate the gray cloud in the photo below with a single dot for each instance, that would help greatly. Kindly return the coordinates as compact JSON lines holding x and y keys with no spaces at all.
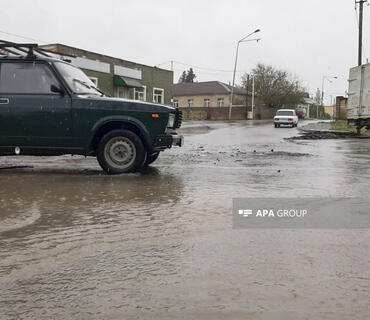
{"x":309,"y":38}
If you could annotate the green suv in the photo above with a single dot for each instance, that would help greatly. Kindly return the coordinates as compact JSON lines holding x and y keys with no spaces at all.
{"x":50,"y":107}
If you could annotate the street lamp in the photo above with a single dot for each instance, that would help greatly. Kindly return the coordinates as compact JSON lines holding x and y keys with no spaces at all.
{"x":322,"y":91}
{"x":236,"y":61}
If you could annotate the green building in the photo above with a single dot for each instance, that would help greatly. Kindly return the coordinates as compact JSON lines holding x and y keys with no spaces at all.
{"x":120,"y":78}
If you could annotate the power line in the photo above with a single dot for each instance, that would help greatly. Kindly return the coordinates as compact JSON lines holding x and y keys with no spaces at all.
{"x":22,"y":37}
{"x":207,"y":70}
{"x":203,"y":68}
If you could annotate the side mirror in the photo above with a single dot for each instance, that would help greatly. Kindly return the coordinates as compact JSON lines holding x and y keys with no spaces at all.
{"x":55,"y":89}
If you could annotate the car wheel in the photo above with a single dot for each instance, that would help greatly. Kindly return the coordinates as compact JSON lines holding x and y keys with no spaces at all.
{"x":120,"y":151}
{"x":151,"y":158}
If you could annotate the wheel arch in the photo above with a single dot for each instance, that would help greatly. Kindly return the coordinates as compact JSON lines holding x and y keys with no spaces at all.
{"x":106,"y":125}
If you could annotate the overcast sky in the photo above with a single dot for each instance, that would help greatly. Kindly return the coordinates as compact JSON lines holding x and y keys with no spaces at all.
{"x":309,"y":38}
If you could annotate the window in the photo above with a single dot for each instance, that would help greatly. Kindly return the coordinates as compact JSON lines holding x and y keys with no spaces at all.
{"x":190,"y":103}
{"x":26,"y":78}
{"x":220,"y":102}
{"x":285,"y":113}
{"x":94,"y":80}
{"x":140,"y":93}
{"x":206,"y":103}
{"x":175,"y":103}
{"x":124,"y":92}
{"x":158,"y":95}
{"x":76,"y":79}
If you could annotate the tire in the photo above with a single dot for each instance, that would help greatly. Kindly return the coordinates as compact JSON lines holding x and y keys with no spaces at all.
{"x":275,"y":125}
{"x":151,"y":158}
{"x":120,"y":151}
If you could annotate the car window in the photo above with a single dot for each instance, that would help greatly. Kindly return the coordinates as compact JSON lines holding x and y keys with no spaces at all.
{"x":285,"y":113}
{"x":26,"y":78}
{"x":76,"y":79}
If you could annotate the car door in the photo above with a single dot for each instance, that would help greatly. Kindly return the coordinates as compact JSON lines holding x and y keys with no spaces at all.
{"x":31,"y":115}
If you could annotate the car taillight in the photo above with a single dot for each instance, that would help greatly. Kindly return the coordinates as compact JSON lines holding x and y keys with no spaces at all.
{"x":276,"y":118}
{"x":290,"y":119}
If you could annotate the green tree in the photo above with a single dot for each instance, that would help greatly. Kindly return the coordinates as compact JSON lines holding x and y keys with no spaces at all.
{"x":275,"y":87}
{"x":187,"y":76}
{"x":190,"y":77}
{"x":182,"y":78}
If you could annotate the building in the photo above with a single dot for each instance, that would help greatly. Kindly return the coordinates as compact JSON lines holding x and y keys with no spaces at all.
{"x":208,"y":94}
{"x":210,"y":101}
{"x":341,"y":108}
{"x":329,"y":111}
{"x":303,"y":108}
{"x":120,"y":78}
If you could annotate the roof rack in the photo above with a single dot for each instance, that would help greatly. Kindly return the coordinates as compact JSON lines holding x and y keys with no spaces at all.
{"x":27,"y":50}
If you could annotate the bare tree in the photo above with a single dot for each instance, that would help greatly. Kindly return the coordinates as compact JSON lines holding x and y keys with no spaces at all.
{"x":274,"y":87}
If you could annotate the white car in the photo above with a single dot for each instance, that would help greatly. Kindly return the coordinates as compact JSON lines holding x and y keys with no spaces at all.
{"x":285,"y":117}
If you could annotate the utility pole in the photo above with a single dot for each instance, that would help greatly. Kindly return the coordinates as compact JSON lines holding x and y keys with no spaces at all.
{"x":361,"y":13}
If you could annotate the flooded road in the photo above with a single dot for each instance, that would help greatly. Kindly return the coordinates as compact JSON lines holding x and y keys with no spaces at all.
{"x":78,"y":244}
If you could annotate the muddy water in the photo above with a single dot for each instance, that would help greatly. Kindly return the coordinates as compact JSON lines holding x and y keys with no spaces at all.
{"x":77,"y":244}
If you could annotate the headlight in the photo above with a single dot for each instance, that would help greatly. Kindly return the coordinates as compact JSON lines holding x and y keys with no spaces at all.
{"x":171,"y":120}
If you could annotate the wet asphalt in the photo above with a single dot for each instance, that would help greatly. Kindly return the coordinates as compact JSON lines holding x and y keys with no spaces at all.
{"x":78,"y":244}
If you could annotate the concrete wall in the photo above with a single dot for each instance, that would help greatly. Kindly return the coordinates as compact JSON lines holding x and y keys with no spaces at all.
{"x":238,"y":113}
{"x":200,"y":113}
{"x":330,"y":110}
{"x":198,"y":100}
{"x":262,"y":112}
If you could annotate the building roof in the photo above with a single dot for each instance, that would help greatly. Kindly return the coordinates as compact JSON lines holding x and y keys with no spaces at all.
{"x":55,"y":47}
{"x":204,"y":88}
{"x":308,"y":101}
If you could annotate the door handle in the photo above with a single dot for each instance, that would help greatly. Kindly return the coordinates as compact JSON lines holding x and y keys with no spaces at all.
{"x":4,"y":101}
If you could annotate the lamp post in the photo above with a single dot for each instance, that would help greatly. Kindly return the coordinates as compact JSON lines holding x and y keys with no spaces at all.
{"x":252,"y":97}
{"x":322,"y":91}
{"x":236,"y":61}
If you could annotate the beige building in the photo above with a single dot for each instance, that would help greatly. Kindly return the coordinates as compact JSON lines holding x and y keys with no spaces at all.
{"x":330,"y":110}
{"x":208,"y":94}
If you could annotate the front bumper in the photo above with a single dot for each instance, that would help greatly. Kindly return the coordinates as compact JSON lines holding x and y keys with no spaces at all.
{"x":166,"y":141}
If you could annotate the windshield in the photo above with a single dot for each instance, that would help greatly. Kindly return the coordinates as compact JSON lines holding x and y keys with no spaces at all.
{"x":285,"y":113}
{"x":76,"y":79}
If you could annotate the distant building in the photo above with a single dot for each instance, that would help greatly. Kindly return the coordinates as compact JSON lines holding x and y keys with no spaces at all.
{"x":341,"y":108}
{"x":120,"y":78}
{"x":303,"y":109}
{"x":330,"y":111}
{"x":210,"y":94}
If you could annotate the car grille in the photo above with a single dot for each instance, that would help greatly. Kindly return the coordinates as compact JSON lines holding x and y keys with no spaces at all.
{"x":178,"y":119}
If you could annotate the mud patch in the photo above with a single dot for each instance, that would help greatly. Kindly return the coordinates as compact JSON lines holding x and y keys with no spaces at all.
{"x":287,"y":154}
{"x":319,"y":135}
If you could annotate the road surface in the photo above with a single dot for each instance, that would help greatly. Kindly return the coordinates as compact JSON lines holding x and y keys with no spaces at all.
{"x":78,"y":244}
